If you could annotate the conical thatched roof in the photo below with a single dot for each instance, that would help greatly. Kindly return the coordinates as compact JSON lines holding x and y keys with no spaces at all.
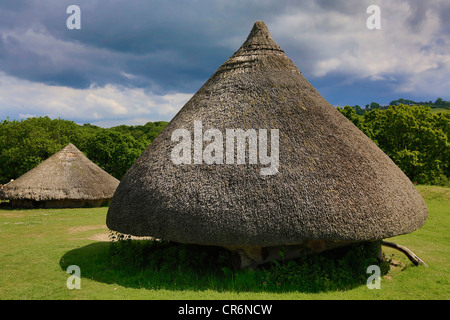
{"x":66,"y":175}
{"x":333,"y":183}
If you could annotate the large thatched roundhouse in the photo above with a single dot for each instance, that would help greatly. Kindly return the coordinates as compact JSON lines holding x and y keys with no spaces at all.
{"x":331,"y":186}
{"x":67,"y":179}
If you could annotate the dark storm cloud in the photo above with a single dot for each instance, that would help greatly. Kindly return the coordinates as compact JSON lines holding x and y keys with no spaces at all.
{"x":164,"y":44}
{"x":167,"y":46}
{"x":114,"y":39}
{"x":18,"y":59}
{"x":175,"y":45}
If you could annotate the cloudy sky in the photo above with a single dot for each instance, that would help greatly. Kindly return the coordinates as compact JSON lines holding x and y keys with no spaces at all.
{"x":135,"y":61}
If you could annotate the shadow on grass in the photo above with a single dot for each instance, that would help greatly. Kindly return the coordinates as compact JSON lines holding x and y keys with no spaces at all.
{"x":165,"y":265}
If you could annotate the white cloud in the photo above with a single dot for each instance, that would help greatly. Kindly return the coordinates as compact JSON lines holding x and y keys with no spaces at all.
{"x":339,"y":41}
{"x":26,"y":116}
{"x":129,"y":76}
{"x":108,"y":104}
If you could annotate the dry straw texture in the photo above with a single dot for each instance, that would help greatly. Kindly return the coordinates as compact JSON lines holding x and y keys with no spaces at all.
{"x":66,"y":175}
{"x":333,"y":184}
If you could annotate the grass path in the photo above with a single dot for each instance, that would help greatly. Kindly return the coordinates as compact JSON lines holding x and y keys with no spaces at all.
{"x":37,"y":246}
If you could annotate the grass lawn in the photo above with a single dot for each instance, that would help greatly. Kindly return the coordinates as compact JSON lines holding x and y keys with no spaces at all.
{"x":436,"y":109}
{"x":38,"y":245}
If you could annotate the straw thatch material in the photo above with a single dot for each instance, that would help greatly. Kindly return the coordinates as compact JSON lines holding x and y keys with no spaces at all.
{"x":66,"y":179}
{"x":334,"y":184}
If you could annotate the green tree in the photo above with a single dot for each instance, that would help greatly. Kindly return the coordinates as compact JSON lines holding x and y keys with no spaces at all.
{"x":414,"y":138}
{"x":113,"y":151}
{"x":358,"y":120}
{"x":439,"y":101}
{"x":26,"y":143}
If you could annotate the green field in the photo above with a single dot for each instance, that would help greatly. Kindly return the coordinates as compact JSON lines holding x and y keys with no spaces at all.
{"x":38,"y":245}
{"x":436,"y":109}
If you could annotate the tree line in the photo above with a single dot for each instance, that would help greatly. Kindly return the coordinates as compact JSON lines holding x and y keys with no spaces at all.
{"x":439,"y":103}
{"x":415,"y":138}
{"x":26,"y":143}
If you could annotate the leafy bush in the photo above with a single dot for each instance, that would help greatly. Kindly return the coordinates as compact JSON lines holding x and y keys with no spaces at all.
{"x":338,"y":269}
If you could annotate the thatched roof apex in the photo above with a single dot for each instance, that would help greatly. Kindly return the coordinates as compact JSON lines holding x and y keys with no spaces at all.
{"x":259,"y":39}
{"x":68,"y":174}
{"x":333,"y":183}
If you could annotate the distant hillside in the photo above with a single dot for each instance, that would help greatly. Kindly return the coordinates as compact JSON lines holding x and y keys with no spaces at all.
{"x":440,"y":105}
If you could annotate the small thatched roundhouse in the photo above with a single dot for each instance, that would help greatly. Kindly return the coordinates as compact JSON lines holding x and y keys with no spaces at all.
{"x":67,"y":179}
{"x":331,"y":186}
